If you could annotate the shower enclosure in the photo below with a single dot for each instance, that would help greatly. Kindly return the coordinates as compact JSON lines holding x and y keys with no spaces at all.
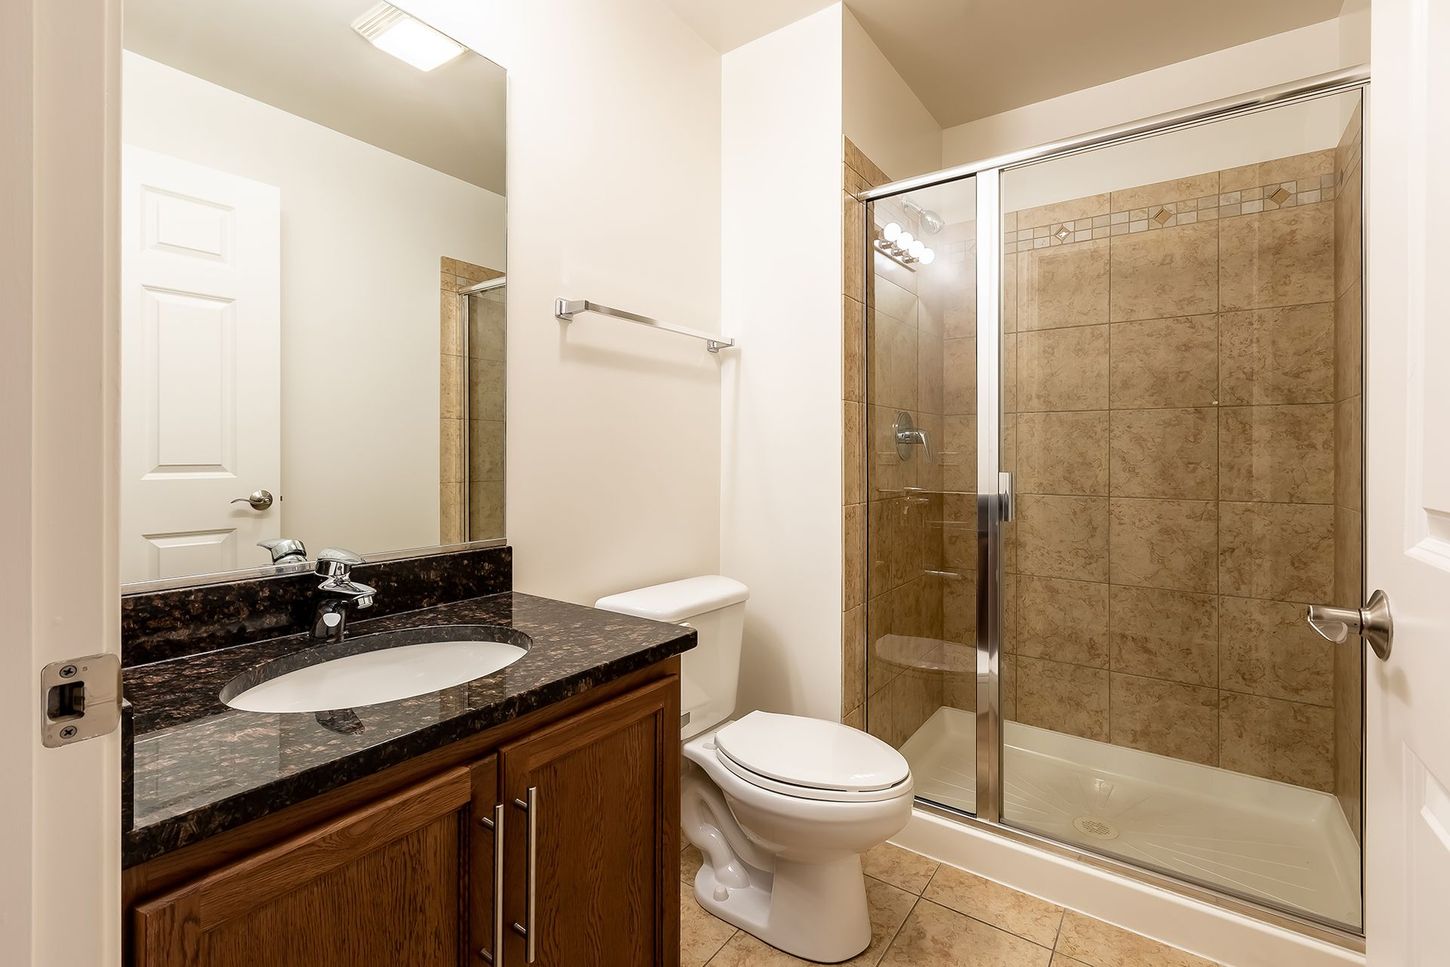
{"x":1113,"y":446}
{"x":472,"y":403}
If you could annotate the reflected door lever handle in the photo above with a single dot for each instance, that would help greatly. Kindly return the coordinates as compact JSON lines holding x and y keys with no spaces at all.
{"x":258,"y":499}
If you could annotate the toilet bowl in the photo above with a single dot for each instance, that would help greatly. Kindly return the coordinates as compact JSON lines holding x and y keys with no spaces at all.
{"x":781,"y":820}
{"x":781,"y":807}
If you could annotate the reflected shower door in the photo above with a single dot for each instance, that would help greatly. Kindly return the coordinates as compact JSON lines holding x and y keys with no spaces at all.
{"x":921,"y":433}
{"x":1181,"y":414}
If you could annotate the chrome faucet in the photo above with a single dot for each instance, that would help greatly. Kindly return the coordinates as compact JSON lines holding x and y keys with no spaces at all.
{"x":334,"y":566}
{"x":285,"y":550}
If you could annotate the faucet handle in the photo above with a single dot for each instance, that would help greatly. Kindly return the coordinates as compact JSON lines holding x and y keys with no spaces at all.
{"x":333,"y":562}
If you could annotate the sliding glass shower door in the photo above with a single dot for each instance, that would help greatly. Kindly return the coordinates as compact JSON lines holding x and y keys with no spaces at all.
{"x":1105,"y":646}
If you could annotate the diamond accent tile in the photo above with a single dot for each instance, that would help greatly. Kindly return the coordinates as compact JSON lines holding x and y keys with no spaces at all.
{"x":1062,"y":234}
{"x":1162,"y":215}
{"x":1279,"y":196}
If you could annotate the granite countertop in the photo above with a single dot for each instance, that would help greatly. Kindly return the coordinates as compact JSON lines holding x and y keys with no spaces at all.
{"x":195,"y":767}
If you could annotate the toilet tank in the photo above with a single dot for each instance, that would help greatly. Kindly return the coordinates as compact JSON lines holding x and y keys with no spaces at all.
{"x":709,"y":673}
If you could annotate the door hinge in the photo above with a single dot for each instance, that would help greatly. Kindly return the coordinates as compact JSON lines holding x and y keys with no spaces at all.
{"x":79,"y":699}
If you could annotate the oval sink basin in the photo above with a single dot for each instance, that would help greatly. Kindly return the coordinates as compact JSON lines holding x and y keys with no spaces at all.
{"x":371,"y":669}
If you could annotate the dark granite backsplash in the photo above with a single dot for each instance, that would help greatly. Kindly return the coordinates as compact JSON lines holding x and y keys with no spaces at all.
{"x":161,"y":625}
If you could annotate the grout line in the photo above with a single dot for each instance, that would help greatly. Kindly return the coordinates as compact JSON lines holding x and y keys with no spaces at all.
{"x":896,"y":934}
{"x":1184,"y":499}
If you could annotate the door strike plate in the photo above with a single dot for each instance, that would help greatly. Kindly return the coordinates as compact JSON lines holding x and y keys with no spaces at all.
{"x":80,"y":698}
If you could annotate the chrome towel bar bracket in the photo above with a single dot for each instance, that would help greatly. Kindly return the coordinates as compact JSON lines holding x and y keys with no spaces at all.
{"x":567,"y":309}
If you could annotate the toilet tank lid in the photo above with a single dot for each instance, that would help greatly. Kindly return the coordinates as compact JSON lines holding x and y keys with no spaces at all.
{"x":678,"y":600}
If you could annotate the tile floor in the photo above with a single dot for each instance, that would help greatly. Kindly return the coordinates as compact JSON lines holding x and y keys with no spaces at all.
{"x":927,"y":914}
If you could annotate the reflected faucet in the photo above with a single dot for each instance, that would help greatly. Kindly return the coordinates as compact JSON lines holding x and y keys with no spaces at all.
{"x":908,"y":435}
{"x":334,"y":565}
{"x":285,"y":550}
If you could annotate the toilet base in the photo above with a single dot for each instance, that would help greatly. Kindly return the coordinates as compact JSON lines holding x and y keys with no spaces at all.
{"x":815,"y":911}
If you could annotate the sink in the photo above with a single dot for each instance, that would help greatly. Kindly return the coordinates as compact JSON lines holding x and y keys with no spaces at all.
{"x":370,"y":669}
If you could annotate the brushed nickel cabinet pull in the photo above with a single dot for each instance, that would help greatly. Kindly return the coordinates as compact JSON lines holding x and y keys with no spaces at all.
{"x":495,"y":956}
{"x":526,"y":930}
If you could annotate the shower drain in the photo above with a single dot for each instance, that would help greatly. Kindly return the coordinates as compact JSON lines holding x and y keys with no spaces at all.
{"x":1094,"y":827}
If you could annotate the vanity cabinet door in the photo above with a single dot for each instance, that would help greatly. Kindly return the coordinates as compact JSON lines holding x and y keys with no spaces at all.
{"x":382,"y":885}
{"x":603,"y":836}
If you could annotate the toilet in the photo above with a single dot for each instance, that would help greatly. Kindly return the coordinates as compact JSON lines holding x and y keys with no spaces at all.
{"x":780,"y":806}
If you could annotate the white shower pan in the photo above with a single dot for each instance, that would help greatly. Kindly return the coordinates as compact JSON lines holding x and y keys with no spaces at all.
{"x":1282,"y":844}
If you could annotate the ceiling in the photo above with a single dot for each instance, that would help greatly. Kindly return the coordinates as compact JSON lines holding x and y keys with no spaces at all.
{"x":968,"y":59}
{"x":305,"y":58}
{"x":726,"y":24}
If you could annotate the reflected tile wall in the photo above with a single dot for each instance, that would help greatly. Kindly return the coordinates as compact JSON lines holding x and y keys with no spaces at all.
{"x":1347,"y":680}
{"x":895,"y":668}
{"x":918,"y":332}
{"x":481,"y":441}
{"x":1186,"y":455}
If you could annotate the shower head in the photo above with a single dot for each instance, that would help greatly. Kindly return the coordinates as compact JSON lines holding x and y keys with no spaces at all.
{"x":931,"y":222}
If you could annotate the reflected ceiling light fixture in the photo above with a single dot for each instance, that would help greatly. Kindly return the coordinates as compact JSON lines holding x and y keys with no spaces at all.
{"x":410,"y":40}
{"x":901,"y":248}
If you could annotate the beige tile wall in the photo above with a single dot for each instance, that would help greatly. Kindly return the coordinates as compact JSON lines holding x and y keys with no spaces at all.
{"x":485,"y":440}
{"x":858,"y":174}
{"x":1348,"y":499}
{"x":1173,"y":418}
{"x":1181,"y":387}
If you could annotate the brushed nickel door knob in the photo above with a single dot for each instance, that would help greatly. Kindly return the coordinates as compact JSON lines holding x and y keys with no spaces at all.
{"x":1372,"y":623}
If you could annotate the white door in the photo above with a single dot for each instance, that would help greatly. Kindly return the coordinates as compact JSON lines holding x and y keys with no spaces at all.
{"x":200,"y":367}
{"x":1407,"y":484}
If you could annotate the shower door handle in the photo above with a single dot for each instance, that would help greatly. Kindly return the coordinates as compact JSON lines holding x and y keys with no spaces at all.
{"x":1372,"y":623}
{"x":1007,"y":496}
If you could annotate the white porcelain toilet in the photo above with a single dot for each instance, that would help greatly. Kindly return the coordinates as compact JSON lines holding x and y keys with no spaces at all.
{"x":780,"y":806}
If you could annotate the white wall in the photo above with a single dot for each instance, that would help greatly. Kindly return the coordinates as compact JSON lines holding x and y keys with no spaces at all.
{"x":1262,"y":63}
{"x":780,"y":516}
{"x":362,"y":234}
{"x":60,"y":830}
{"x":883,"y":116}
{"x":614,"y":196}
{"x":1354,"y":40}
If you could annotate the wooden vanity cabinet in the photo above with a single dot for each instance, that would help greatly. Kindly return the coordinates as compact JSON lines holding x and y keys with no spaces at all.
{"x":378,"y":885}
{"x":587,"y":809}
{"x":602,"y":843}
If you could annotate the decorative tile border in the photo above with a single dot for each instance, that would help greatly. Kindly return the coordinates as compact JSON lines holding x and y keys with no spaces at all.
{"x":1245,"y":201}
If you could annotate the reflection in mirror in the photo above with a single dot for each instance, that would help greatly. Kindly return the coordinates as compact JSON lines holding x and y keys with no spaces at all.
{"x":313,"y":285}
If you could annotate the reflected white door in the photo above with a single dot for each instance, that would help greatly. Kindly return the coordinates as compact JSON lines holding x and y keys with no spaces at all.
{"x":1407,"y":437}
{"x":200,"y":367}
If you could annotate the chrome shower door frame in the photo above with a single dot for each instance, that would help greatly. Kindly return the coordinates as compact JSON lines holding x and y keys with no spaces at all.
{"x":994,"y":496}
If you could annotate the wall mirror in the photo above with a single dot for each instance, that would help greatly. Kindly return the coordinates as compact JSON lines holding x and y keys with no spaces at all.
{"x":313,"y":286}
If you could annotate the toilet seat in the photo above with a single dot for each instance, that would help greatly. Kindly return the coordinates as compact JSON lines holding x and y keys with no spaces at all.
{"x":812,"y":759}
